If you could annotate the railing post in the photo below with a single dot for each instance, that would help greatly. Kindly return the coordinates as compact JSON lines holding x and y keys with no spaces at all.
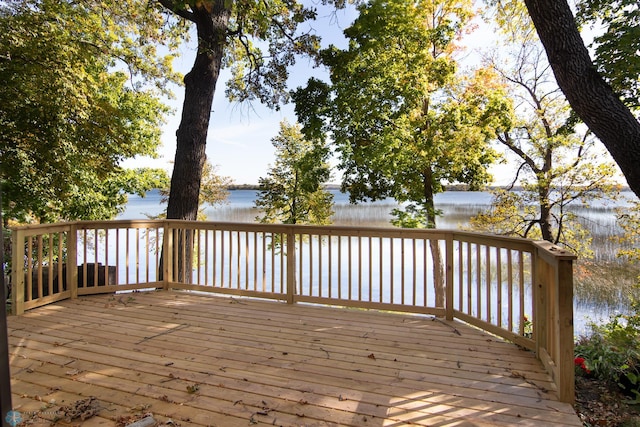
{"x":553,"y":320}
{"x":566,"y":382}
{"x":72,"y":261}
{"x":449,"y":277}
{"x":17,"y":271}
{"x":291,"y":265}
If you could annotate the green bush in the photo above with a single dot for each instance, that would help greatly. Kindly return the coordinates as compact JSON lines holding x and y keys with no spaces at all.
{"x":611,"y":352}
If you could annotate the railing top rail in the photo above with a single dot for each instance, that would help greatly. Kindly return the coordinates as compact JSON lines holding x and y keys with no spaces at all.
{"x":117,"y":223}
{"x":526,"y":245}
{"x":517,"y":243}
{"x":36,"y":229}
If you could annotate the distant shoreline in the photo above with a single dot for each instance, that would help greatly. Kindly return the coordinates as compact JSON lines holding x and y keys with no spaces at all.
{"x":460,"y":187}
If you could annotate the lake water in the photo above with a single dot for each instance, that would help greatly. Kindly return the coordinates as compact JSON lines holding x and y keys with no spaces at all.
{"x":591,"y":303}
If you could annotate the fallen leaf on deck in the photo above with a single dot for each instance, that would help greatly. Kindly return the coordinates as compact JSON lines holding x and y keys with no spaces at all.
{"x":83,"y":409}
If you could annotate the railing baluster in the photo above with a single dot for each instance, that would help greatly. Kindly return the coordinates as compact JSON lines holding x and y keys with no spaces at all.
{"x":510,"y":289}
{"x":381,"y":268}
{"x":359,"y":258}
{"x":350,"y":268}
{"x":320,"y":283}
{"x":157,"y":249}
{"x":137,"y":256}
{"x":391,"y":270}
{"x":370,"y":268}
{"x":402,"y":271}
{"x":499,"y":286}
{"x":330,"y":266}
{"x":339,"y":267}
{"x":284,"y":282}
{"x":127,"y":243}
{"x":30,"y":269}
{"x":469,"y":279}
{"x":521,"y":287}
{"x":461,"y":272}
{"x":413,"y":272}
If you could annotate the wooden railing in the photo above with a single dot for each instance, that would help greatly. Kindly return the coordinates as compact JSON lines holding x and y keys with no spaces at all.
{"x":517,"y":289}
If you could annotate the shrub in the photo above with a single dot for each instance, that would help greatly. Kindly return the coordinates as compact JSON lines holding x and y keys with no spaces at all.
{"x":611,"y":352}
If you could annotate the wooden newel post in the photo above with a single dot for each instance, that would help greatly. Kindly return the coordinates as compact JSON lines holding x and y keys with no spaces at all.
{"x":566,"y":380}
{"x":17,"y":271}
{"x":72,"y":261}
{"x":553,"y":316}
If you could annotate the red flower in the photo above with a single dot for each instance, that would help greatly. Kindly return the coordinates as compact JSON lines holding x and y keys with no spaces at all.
{"x":579,"y":361}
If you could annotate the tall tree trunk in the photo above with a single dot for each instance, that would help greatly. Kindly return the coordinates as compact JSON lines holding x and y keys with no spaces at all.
{"x":200,"y":85}
{"x":434,"y":245}
{"x":212,"y":22}
{"x":588,"y":94}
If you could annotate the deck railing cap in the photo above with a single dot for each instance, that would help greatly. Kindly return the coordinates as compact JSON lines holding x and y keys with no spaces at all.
{"x":555,"y":250}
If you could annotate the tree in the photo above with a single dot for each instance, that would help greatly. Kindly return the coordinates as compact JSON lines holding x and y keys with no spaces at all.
{"x":402,"y":119}
{"x":292,"y":191}
{"x":230,"y":33}
{"x":70,"y":113}
{"x":594,"y":100}
{"x":560,"y":164}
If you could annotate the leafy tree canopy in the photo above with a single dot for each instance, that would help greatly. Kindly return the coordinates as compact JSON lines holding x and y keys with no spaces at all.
{"x":80,"y":93}
{"x":616,"y":48}
{"x":292,"y":192}
{"x":402,"y":118}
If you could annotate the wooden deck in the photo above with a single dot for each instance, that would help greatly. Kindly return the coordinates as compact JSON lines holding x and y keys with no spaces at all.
{"x":209,"y":361}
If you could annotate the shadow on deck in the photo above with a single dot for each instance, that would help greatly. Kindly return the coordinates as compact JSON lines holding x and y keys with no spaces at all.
{"x":210,"y":361}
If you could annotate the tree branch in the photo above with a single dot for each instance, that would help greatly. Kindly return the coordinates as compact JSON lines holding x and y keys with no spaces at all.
{"x":180,"y":11}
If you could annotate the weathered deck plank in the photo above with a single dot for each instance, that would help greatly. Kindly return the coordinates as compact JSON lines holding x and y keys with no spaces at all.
{"x":202,"y":360}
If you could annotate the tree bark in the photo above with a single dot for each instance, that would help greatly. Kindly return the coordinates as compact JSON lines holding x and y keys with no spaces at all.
{"x":545,"y":213}
{"x":588,"y":94}
{"x":200,"y":83}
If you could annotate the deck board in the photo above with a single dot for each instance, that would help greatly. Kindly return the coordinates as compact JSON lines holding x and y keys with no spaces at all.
{"x":211,"y":361}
